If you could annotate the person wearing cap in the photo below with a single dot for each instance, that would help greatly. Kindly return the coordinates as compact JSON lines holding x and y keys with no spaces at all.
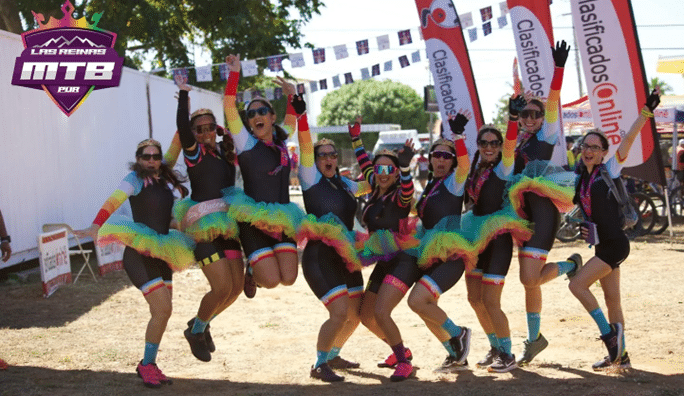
{"x":267,"y":220}
{"x":390,"y":237}
{"x":204,"y":216}
{"x":444,"y":253}
{"x":153,"y":250}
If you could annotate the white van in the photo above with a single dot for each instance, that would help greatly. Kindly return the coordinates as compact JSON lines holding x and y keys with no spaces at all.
{"x":394,"y":140}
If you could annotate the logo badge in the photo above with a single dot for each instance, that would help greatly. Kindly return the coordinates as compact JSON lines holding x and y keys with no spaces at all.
{"x":68,"y":59}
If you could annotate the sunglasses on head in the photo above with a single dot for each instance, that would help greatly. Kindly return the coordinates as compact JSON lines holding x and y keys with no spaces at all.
{"x":442,"y":155}
{"x":492,"y":143}
{"x":262,"y":111}
{"x":147,"y":157}
{"x":206,"y":128}
{"x":531,"y":114}
{"x":384,"y":169}
{"x":331,"y":155}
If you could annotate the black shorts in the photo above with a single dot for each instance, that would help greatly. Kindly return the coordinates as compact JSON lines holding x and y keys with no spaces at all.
{"x":327,"y":275}
{"x":546,"y":218}
{"x":253,"y":240}
{"x":141,"y":270}
{"x":613,"y":251}
{"x":208,"y":252}
{"x":496,"y":258}
{"x":403,"y":269}
{"x":442,"y":276}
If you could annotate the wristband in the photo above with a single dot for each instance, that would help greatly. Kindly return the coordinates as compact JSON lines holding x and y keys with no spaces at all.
{"x":404,"y":169}
{"x":6,"y":239}
{"x":646,"y":113}
{"x":232,"y":84}
{"x":356,"y":143}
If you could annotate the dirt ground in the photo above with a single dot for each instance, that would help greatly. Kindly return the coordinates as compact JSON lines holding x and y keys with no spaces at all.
{"x":87,"y":338}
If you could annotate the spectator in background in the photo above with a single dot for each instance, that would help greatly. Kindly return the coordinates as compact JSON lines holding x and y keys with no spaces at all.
{"x":423,"y":164}
{"x":679,"y":165}
{"x":569,"y":142}
{"x":294,"y":158}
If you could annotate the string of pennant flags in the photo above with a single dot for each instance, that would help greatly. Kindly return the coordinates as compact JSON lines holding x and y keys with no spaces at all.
{"x":320,"y":56}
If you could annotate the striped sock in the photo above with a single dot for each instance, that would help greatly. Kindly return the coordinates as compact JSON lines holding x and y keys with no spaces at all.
{"x":150,"y":353}
{"x":448,"y":347}
{"x":451,"y":328}
{"x":600,"y":319}
{"x":199,"y":326}
{"x":334,"y":352}
{"x":321,"y":357}
{"x":533,"y":325}
{"x":505,"y":345}
{"x":493,"y":341}
{"x":565,"y":266}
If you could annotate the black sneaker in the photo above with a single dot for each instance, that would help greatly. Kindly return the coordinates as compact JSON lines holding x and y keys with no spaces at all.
{"x":325,"y":374}
{"x":533,"y":349}
{"x":198,"y":345}
{"x":461,"y":345}
{"x":207,"y":336}
{"x":489,"y":359}
{"x":606,"y":364}
{"x":577,"y":259}
{"x":503,"y":363}
{"x":450,"y":365}
{"x":339,"y":363}
{"x":613,"y":341}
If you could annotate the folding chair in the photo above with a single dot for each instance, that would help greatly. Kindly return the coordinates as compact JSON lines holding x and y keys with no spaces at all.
{"x":85,"y":253}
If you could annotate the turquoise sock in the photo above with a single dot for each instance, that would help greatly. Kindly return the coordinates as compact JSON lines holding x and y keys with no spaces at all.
{"x":334,"y":352}
{"x":199,"y":326}
{"x":601,"y":321}
{"x":624,"y":345}
{"x":321,"y":357}
{"x":505,"y":345}
{"x":150,"y":353}
{"x":533,"y":325}
{"x":493,"y":341}
{"x":565,"y":266}
{"x":451,"y":328}
{"x":448,"y":347}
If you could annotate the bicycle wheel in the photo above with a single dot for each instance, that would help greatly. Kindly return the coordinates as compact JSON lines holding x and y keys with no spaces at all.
{"x":677,"y":202}
{"x":569,"y":229}
{"x":647,"y":212}
{"x":661,"y":222}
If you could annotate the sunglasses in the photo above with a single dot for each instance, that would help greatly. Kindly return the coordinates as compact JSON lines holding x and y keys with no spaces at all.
{"x":262,"y":111}
{"x":147,"y":157}
{"x":206,"y":128}
{"x":592,"y":147}
{"x":331,"y":155}
{"x":442,"y":155}
{"x":384,"y":169}
{"x":492,"y":143}
{"x":531,"y":114}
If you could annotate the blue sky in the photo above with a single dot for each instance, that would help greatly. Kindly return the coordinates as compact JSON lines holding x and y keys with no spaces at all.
{"x":345,"y":22}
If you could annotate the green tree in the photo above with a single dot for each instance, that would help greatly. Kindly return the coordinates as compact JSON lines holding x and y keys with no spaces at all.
{"x":665,"y":88}
{"x":501,"y":118}
{"x":378,"y":102}
{"x":168,"y":29}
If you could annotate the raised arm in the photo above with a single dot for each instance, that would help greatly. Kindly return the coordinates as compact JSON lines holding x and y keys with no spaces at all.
{"x":291,"y":116}
{"x":505,"y":167}
{"x":361,"y":156}
{"x":646,"y":112}
{"x":171,"y":155}
{"x":187,"y":139}
{"x":241,"y":136}
{"x":308,"y":173}
{"x":406,"y":180}
{"x":456,"y":183}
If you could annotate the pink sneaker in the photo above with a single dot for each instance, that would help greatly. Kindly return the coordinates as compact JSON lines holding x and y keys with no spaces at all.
{"x":391,"y":360}
{"x":402,"y":372}
{"x":3,"y":365}
{"x":162,"y":378}
{"x":149,"y":375}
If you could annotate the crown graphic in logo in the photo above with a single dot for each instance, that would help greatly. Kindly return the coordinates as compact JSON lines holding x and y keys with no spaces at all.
{"x":68,"y":58}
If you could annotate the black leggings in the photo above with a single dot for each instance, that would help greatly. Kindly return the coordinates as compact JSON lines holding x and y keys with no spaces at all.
{"x":496,"y":258}
{"x":402,"y":267}
{"x":326,"y":273}
{"x":443,"y":276}
{"x":546,"y":218}
{"x":143,"y":269}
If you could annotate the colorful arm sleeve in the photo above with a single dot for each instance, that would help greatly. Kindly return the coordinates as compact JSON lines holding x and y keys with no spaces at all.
{"x":362,"y":158}
{"x":130,"y":185}
{"x":456,"y":183}
{"x":308,"y":173}
{"x":505,"y":168}
{"x":291,"y":118}
{"x":549,"y":131}
{"x":242,"y":138}
{"x":406,"y":182}
{"x":171,"y":155}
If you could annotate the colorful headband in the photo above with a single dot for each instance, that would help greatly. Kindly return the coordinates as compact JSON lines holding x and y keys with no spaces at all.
{"x":201,"y":112}
{"x":443,"y":142}
{"x":148,"y":142}
{"x":259,"y":99}
{"x":387,"y":152}
{"x":324,"y":142}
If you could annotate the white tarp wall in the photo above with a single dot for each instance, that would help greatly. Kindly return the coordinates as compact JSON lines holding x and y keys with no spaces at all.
{"x":59,"y":169}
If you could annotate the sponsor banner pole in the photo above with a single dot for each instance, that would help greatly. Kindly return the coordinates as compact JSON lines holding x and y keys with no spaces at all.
{"x":450,"y":65}
{"x":616,"y":80}
{"x":533,"y":33}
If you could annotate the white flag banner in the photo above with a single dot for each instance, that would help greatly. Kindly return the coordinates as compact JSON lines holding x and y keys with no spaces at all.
{"x":297,"y":60}
{"x":341,"y":51}
{"x":466,"y":20}
{"x":365,"y":74}
{"x":247,"y":97}
{"x":249,"y":68}
{"x":314,"y":86}
{"x":270,"y":93}
{"x":504,"y":8}
{"x":203,"y":73}
{"x":383,"y":42}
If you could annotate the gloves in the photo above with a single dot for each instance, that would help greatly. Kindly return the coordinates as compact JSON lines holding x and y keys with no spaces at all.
{"x":458,"y":123}
{"x":516,"y":105}
{"x":298,"y":104}
{"x":653,"y":100}
{"x":405,"y":156}
{"x":560,"y":53}
{"x":354,"y":130}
